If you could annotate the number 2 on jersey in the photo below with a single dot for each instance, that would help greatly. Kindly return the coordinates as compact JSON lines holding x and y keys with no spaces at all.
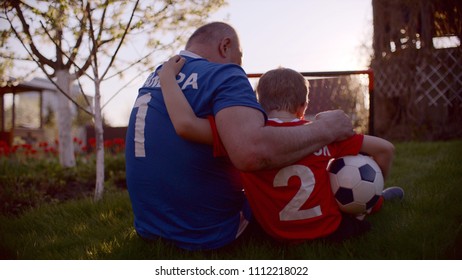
{"x":292,"y":211}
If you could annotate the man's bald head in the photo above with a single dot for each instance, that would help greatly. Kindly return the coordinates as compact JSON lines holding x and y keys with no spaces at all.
{"x":218,"y":42}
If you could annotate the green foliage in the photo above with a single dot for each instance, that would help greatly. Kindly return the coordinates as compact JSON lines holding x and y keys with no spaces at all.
{"x":34,"y":182}
{"x":427,"y":224}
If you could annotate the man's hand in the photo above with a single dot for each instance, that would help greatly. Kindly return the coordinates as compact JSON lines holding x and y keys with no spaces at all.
{"x":337,"y":123}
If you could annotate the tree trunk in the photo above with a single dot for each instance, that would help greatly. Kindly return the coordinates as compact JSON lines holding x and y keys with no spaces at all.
{"x":64,"y":117}
{"x":99,"y":186}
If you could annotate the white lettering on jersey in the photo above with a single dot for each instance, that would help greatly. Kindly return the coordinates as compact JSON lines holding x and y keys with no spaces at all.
{"x":180,"y":78}
{"x":153,"y":81}
{"x":191,"y":81}
{"x":324,"y":151}
{"x":141,"y":103}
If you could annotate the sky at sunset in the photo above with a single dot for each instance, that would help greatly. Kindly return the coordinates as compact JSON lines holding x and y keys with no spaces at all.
{"x":305,"y":35}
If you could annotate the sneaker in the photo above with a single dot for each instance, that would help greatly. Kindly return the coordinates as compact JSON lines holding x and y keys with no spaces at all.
{"x":393,"y":193}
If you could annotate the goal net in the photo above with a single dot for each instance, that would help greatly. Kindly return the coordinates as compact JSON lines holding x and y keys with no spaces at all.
{"x":350,"y":91}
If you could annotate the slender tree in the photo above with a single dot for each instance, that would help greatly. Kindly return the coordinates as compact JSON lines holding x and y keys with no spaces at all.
{"x":95,"y":40}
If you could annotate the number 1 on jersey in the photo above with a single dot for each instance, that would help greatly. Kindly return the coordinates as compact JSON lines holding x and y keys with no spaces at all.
{"x":140,"y":123}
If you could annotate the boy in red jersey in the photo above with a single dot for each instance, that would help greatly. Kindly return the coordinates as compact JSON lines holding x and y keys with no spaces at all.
{"x":293,"y":202}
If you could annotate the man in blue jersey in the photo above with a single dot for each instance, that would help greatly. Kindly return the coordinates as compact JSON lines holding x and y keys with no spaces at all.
{"x":178,"y":190}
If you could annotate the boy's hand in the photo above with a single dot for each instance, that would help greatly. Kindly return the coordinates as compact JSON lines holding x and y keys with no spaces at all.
{"x":171,"y":67}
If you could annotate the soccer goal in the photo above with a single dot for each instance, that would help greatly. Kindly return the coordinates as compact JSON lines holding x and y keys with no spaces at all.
{"x":351,"y":91}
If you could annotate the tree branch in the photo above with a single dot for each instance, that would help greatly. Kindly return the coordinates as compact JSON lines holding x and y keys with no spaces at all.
{"x":131,"y":65}
{"x":79,"y":41}
{"x":70,"y":60}
{"x":41,"y":66}
{"x":86,"y":98}
{"x":95,"y":46}
{"x":119,"y":91}
{"x":26,"y":30}
{"x":127,"y":27}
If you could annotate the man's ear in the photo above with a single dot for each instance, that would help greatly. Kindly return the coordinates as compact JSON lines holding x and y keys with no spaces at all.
{"x":224,"y":47}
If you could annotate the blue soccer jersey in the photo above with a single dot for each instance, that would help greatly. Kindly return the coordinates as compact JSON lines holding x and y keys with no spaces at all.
{"x":178,"y":190}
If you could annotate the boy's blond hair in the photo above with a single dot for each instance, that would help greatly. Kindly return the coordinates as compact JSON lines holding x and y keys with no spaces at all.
{"x":282,"y":89}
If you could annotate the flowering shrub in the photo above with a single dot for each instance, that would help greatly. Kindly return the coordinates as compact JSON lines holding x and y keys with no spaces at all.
{"x":46,"y":149}
{"x":25,"y":149}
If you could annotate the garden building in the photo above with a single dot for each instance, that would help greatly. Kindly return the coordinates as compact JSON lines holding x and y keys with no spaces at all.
{"x":417,"y":65}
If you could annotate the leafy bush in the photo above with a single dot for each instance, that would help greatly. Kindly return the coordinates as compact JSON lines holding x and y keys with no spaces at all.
{"x":30,"y":179}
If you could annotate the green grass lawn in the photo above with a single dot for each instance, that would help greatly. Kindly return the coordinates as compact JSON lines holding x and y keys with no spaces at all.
{"x":425,"y":225}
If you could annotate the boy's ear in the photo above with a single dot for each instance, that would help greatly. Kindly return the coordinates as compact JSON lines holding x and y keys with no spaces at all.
{"x":301,"y":110}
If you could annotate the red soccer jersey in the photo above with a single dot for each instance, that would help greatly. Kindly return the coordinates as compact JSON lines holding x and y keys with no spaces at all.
{"x":296,"y":202}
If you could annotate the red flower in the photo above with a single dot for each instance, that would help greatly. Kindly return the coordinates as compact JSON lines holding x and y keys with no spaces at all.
{"x":107,"y":143}
{"x":5,"y":150}
{"x":43,"y":144}
{"x":92,"y":142}
{"x":119,"y":141}
{"x":27,"y":146}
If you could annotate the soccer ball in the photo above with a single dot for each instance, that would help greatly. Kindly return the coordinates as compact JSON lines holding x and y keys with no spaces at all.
{"x":357,"y":183}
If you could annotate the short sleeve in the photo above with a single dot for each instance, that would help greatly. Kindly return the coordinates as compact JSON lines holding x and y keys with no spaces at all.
{"x":218,"y":148}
